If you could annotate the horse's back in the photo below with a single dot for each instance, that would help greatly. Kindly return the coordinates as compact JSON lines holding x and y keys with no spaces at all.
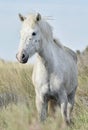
{"x":68,"y":50}
{"x":72,"y":53}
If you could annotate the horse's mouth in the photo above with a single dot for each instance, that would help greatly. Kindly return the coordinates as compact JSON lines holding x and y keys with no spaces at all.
{"x":23,"y":61}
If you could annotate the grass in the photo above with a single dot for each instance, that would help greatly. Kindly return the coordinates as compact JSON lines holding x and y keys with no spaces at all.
{"x":19,"y":112}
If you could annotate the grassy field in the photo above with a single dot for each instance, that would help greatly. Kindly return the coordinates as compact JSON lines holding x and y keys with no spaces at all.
{"x":17,"y":99}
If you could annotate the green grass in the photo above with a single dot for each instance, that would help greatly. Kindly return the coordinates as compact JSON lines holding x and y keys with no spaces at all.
{"x":22,"y":115}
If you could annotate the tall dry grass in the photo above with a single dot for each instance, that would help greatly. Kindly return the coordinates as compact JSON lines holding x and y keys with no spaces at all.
{"x":17,"y":100}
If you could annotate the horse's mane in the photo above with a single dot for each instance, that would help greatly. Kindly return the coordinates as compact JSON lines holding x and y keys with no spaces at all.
{"x":46,"y":29}
{"x":57,"y":42}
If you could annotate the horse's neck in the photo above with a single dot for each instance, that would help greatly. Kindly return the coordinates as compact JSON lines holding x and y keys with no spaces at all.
{"x":49,"y":52}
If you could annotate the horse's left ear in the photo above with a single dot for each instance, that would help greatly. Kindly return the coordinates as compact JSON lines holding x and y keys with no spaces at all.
{"x":22,"y":18}
{"x":38,"y":17}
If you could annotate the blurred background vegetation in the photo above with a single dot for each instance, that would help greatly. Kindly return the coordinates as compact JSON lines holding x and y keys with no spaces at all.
{"x":17,"y":98}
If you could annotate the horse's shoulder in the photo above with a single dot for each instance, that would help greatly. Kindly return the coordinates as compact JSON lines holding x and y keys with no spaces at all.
{"x":71,"y":52}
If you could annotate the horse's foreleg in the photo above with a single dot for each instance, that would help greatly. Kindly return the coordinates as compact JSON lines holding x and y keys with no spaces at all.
{"x":42,"y":107}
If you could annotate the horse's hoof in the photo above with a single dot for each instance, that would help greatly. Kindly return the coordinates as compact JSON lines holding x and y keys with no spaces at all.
{"x":72,"y":122}
{"x":69,"y":123}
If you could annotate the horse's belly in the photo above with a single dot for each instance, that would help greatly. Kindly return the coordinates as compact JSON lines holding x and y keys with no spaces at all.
{"x":71,"y":81}
{"x":67,"y":81}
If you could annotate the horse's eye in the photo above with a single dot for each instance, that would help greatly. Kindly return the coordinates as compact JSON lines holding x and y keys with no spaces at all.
{"x":33,"y":34}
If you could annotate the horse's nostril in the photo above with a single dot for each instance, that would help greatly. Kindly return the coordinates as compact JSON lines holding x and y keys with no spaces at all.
{"x":23,"y":56}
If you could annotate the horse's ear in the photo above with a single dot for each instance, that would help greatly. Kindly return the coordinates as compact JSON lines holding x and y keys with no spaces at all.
{"x":38,"y":17}
{"x":22,"y":18}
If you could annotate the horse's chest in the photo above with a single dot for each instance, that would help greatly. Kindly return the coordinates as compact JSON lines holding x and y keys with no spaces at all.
{"x":40,"y":74}
{"x":43,"y":75}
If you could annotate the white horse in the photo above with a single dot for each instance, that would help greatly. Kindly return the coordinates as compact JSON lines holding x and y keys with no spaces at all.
{"x":55,"y":70}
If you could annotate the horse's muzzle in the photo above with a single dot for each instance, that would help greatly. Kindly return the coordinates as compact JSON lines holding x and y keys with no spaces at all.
{"x":22,"y":58}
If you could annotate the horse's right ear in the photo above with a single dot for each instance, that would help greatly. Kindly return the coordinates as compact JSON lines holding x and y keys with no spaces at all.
{"x":38,"y":17}
{"x":22,"y":18}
